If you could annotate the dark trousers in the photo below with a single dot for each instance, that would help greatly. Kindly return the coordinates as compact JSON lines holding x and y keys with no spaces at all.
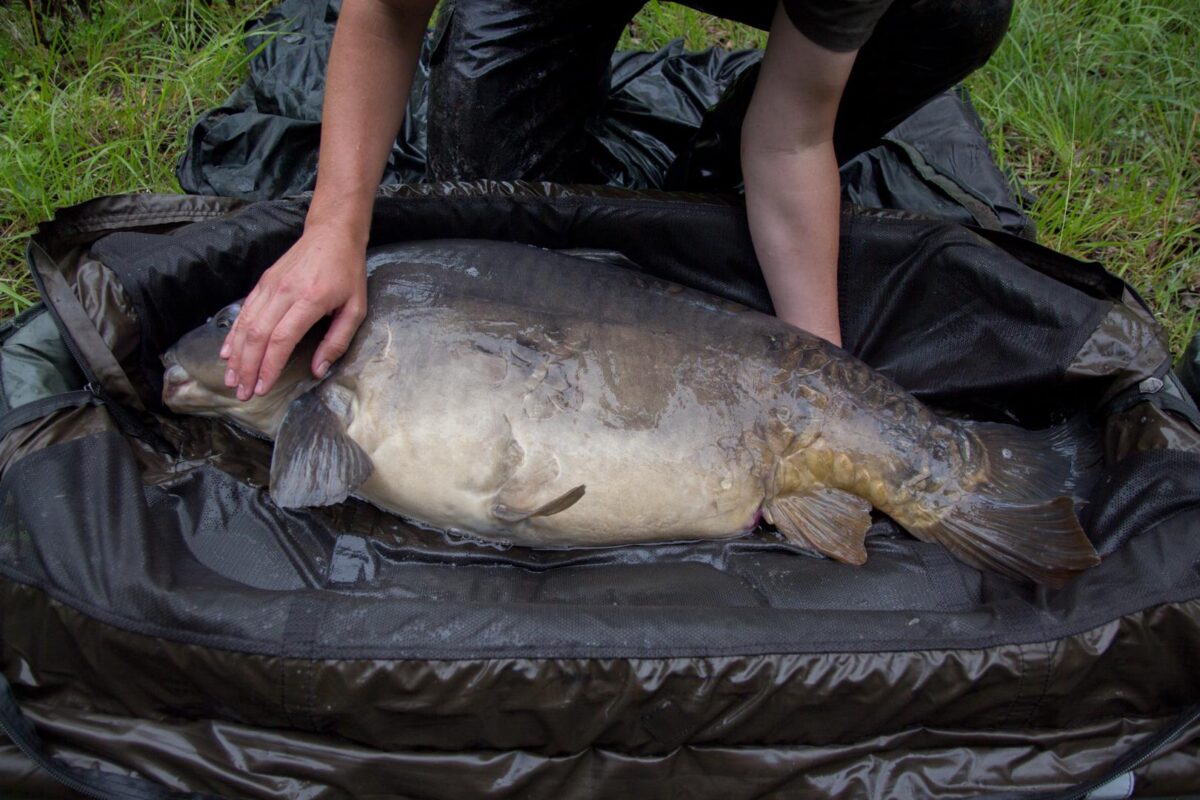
{"x":514,"y":82}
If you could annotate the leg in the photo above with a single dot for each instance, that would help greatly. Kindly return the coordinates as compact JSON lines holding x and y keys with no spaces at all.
{"x":513,"y":83}
{"x":919,"y":49}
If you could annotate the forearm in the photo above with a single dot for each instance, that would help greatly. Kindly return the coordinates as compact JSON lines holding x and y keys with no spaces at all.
{"x":371,"y":65}
{"x":793,"y":197}
{"x":793,"y":200}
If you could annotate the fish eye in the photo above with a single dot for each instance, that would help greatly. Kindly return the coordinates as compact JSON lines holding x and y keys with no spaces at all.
{"x":224,"y":318}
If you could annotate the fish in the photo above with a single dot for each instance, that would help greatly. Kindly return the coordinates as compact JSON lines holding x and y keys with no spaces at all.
{"x":530,"y":397}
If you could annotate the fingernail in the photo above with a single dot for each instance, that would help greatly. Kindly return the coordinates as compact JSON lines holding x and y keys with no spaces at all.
{"x":225,"y":350}
{"x":258,"y":387}
{"x":230,"y":377}
{"x":242,"y":394}
{"x":322,"y":368}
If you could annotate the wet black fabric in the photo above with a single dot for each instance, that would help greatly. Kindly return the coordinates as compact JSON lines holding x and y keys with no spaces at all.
{"x":653,"y":120}
{"x":251,"y":764}
{"x":1141,"y":492}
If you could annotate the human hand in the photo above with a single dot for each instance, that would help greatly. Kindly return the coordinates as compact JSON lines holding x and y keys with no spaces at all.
{"x":323,"y":273}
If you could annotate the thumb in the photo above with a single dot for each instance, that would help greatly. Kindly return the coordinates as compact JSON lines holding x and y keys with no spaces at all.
{"x":337,"y":339}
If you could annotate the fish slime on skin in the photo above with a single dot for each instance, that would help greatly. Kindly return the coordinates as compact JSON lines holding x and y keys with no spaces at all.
{"x":521,"y":395}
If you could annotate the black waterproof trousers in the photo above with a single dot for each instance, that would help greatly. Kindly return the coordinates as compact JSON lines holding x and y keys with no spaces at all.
{"x":536,"y":70}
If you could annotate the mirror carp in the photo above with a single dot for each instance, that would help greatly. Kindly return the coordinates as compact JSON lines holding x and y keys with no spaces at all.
{"x":531,"y":397}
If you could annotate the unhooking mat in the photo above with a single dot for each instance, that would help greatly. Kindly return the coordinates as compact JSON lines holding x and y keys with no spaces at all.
{"x":166,"y":631}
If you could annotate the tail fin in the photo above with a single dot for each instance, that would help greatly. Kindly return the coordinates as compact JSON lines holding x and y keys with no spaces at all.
{"x":1026,"y":465}
{"x":1020,"y":521}
{"x":1040,"y":542}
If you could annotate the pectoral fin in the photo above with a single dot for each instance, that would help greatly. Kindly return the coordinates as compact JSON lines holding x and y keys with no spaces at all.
{"x":525,"y":492}
{"x":830,"y":521}
{"x":315,"y":462}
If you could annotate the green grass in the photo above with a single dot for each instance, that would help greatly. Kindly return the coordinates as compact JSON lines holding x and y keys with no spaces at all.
{"x":1093,"y":106}
{"x":659,"y":23}
{"x":105,"y":109}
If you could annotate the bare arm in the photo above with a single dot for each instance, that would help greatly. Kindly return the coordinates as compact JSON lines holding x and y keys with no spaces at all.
{"x":792,"y":192}
{"x":371,"y":65}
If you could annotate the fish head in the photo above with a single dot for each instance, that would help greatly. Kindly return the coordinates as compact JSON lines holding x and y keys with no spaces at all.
{"x":194,"y":380}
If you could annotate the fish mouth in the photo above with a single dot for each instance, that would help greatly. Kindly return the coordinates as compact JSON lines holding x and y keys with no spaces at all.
{"x":174,"y":380}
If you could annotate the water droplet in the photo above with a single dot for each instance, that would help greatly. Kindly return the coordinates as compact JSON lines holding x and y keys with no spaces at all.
{"x":1006,"y":453}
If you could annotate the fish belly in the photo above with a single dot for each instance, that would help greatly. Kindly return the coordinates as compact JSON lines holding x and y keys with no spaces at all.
{"x":460,"y":445}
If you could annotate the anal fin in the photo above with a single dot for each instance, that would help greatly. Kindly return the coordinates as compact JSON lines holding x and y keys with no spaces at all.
{"x":830,"y":521}
{"x":315,"y":462}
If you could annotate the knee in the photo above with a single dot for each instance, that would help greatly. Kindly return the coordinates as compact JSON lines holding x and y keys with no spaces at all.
{"x":988,"y":22}
{"x":969,"y":32}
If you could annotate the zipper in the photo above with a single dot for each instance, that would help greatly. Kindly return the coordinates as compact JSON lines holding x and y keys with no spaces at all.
{"x":27,"y":742}
{"x":68,"y":339}
{"x":1133,"y":758}
{"x":124,"y":418}
{"x":55,"y":771}
{"x":89,"y":783}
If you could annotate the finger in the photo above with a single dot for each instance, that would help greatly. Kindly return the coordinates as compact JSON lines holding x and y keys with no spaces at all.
{"x":337,"y":338}
{"x":247,"y":302}
{"x":252,"y":340}
{"x":235,"y":339}
{"x":282,"y":341}
{"x":231,"y":349}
